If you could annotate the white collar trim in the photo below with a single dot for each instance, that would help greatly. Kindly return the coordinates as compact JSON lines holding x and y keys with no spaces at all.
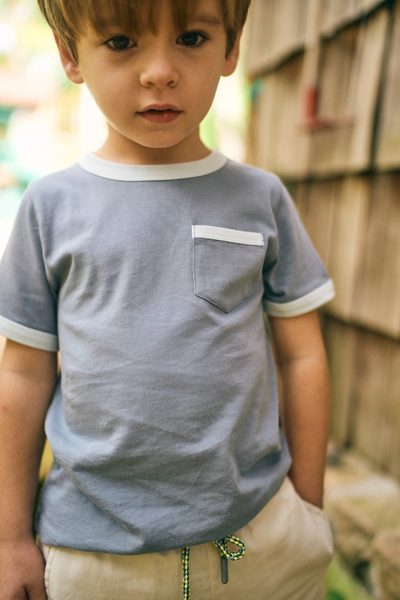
{"x":119,"y":172}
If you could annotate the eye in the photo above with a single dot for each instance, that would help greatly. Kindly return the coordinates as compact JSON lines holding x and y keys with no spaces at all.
{"x":192,"y":39}
{"x":119,"y":43}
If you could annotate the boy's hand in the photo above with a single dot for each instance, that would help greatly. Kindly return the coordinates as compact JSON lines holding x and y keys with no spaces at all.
{"x":21,"y":570}
{"x":27,"y":379}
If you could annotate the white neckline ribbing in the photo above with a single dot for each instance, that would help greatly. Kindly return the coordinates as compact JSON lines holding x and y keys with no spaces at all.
{"x":119,"y":172}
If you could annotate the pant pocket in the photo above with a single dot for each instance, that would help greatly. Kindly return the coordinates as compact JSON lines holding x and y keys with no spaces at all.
{"x":289,"y":547}
{"x":321,"y":519}
{"x":76,"y":575}
{"x":318,"y":536}
{"x":48,"y":553}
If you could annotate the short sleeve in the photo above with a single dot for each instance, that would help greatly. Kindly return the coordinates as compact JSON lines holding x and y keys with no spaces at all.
{"x":295,"y":280}
{"x":28,"y":305}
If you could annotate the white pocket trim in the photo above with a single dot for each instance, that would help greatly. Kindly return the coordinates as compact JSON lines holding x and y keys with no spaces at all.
{"x":209,"y":232}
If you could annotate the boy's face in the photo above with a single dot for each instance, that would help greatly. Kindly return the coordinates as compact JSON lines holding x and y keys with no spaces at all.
{"x":154,"y":88}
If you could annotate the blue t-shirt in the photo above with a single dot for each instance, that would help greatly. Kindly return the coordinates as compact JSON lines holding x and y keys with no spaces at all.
{"x":152,"y":281}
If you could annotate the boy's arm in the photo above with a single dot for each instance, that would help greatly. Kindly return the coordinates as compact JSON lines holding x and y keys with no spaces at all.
{"x":305,"y":399}
{"x":27,"y":380}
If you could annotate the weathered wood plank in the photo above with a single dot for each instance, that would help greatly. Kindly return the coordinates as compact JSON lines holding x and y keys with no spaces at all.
{"x":301,"y":195}
{"x":376,"y":299}
{"x":350,"y":73}
{"x":319,"y":218}
{"x":338,"y":14}
{"x":329,"y":147}
{"x":391,"y":445}
{"x":261,"y":124}
{"x":368,"y":417}
{"x":259,"y":28}
{"x":336,"y":11}
{"x":366,"y":87}
{"x":340,"y":342}
{"x":277,"y":143}
{"x":346,"y":240}
{"x":388,"y":143}
{"x":276,"y":30}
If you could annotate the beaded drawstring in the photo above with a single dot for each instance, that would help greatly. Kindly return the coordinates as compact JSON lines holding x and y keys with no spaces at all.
{"x":225,"y":556}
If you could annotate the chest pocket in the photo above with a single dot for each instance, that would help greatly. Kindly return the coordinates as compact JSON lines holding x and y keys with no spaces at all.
{"x":226,"y":264}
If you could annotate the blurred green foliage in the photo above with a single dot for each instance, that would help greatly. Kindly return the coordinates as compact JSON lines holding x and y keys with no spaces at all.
{"x":340,"y":584}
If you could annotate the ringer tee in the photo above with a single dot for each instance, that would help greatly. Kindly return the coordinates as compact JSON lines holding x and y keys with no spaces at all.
{"x":152,"y":281}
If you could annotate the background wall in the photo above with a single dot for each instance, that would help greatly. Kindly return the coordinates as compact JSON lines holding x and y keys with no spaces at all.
{"x":325,"y":116}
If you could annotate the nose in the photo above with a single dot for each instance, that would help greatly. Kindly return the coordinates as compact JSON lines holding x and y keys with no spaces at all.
{"x":159,"y":70}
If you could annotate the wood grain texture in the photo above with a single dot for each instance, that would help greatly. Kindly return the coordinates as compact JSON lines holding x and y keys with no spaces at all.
{"x":334,"y":213}
{"x":369,"y":414}
{"x":301,"y":195}
{"x":338,"y":14}
{"x":340,"y":342}
{"x":388,"y":143}
{"x":317,"y":216}
{"x":391,"y":443}
{"x":376,"y":299}
{"x":351,"y":213}
{"x":351,"y":66}
{"x":278,"y":144}
{"x":276,"y":30}
{"x":350,"y":206}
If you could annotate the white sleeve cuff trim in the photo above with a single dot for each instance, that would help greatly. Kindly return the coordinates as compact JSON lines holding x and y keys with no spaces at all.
{"x":26,"y":335}
{"x":302,"y":305}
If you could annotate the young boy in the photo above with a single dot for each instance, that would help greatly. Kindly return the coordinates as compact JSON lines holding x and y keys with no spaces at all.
{"x":148,"y":265}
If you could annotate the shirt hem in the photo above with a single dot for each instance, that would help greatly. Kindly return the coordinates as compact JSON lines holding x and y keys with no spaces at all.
{"x":302,"y":305}
{"x":128,"y":550}
{"x":27,"y":336}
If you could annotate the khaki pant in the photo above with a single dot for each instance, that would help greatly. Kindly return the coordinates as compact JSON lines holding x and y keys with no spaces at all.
{"x":288,"y":549}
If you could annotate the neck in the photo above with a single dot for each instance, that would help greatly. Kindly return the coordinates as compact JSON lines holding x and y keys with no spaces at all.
{"x":125,"y":151}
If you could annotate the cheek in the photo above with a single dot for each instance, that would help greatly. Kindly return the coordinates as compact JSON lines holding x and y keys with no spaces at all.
{"x":111,"y":91}
{"x":204,"y":86}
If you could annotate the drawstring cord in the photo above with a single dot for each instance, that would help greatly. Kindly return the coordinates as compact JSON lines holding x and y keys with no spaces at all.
{"x":225,"y":556}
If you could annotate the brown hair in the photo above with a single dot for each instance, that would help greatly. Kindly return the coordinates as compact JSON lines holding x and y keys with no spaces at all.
{"x":67,"y":18}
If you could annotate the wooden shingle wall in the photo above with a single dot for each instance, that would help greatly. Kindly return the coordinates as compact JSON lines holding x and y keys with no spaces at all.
{"x":343,"y":169}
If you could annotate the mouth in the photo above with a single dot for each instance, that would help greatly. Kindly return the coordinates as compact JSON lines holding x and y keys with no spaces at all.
{"x":160,"y":113}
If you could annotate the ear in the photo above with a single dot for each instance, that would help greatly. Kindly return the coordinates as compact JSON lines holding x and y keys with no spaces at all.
{"x":68,"y":62}
{"x":232,"y":58}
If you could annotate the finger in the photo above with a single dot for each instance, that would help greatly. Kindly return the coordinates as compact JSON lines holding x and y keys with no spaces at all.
{"x":36,"y":592}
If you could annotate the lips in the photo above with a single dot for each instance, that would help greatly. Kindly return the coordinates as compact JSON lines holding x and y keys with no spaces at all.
{"x":160,"y":113}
